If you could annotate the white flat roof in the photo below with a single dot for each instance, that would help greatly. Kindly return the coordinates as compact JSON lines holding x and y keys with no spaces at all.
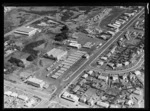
{"x":25,"y":29}
{"x":56,"y":52}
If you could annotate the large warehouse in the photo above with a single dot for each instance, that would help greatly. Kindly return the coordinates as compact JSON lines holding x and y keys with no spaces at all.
{"x":57,"y":54}
{"x":26,"y":31}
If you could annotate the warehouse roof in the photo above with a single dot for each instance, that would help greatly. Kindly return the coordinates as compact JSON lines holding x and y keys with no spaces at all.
{"x":55,"y":52}
{"x":35,"y":80}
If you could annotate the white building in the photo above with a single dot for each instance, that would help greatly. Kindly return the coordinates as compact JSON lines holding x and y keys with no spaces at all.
{"x":103,"y":77}
{"x":104,"y":58}
{"x":109,"y":54}
{"x":8,"y":93}
{"x":23,"y":97}
{"x":119,"y":65}
{"x":100,"y":62}
{"x":30,"y":103}
{"x":14,"y":94}
{"x":75,"y":45}
{"x":90,"y":72}
{"x":35,"y":82}
{"x":75,"y":35}
{"x":85,"y":76}
{"x":103,"y":104}
{"x":126,"y":63}
{"x":70,"y":97}
{"x":29,"y":31}
{"x":113,"y":49}
{"x":57,"y":54}
{"x":115,"y":77}
{"x":137,"y":72}
{"x":110,"y":32}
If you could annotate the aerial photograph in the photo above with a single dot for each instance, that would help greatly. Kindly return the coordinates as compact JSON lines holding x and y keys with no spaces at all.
{"x":74,"y":57}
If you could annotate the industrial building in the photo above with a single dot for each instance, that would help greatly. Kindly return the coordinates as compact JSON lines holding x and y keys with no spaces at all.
{"x":29,"y":31}
{"x":35,"y":82}
{"x":57,"y":54}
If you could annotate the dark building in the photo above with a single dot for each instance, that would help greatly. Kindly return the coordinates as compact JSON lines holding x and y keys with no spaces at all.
{"x":33,"y":84}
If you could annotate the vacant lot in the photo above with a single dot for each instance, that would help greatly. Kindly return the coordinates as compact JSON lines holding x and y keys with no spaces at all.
{"x":113,"y":14}
{"x":16,"y":18}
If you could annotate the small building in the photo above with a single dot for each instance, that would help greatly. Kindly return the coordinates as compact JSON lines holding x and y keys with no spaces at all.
{"x":110,"y":32}
{"x":109,"y":54}
{"x":85,"y":76}
{"x":8,"y":93}
{"x":76,"y":88}
{"x":119,"y":65}
{"x":57,"y":54}
{"x":111,"y":65}
{"x":115,"y":77}
{"x":104,"y":36}
{"x":82,"y":82}
{"x":23,"y":97}
{"x":75,"y":35}
{"x":30,"y":103}
{"x":70,"y":97}
{"x":126,"y":63}
{"x":83,"y":99}
{"x":90,"y":72}
{"x":137,"y":72}
{"x":75,"y":45}
{"x":54,"y":76}
{"x":104,"y":58}
{"x":29,"y":31}
{"x":113,"y":49}
{"x":46,"y":86}
{"x":25,"y":75}
{"x":14,"y":94}
{"x":86,"y":56}
{"x":100,"y":62}
{"x":114,"y":106}
{"x":103,"y":77}
{"x":130,"y":102}
{"x":103,"y":104}
{"x":75,"y":98}
{"x":90,"y":102}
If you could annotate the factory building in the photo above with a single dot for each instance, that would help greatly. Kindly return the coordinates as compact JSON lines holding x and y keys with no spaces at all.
{"x":29,"y":31}
{"x":57,"y":54}
{"x":35,"y":82}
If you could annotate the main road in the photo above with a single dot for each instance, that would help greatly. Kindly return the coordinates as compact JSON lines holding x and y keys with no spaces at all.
{"x":95,"y":55}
